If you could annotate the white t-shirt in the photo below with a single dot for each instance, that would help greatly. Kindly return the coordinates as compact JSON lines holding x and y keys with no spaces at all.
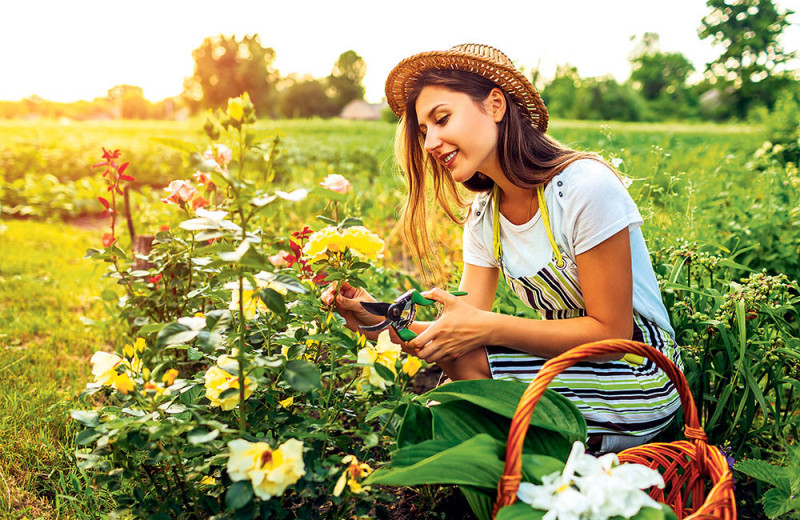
{"x":587,"y":204}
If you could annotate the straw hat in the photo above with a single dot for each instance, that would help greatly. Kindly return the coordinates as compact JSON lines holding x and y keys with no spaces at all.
{"x":482,"y":60}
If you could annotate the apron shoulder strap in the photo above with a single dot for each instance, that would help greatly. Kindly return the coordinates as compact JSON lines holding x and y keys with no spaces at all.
{"x":498,"y":247}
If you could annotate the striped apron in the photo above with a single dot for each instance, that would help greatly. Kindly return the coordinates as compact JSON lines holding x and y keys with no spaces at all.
{"x":630,"y":396}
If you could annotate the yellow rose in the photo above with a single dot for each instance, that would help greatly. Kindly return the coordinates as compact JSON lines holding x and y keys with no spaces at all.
{"x":110,"y":370}
{"x":385,"y":353}
{"x":218,"y":380}
{"x":169,"y":376}
{"x":357,"y":239}
{"x":352,"y":475}
{"x":411,"y":366}
{"x":251,"y":303}
{"x":270,"y":471}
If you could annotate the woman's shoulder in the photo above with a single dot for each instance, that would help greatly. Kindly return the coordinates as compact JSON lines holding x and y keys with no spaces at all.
{"x":585,"y":177}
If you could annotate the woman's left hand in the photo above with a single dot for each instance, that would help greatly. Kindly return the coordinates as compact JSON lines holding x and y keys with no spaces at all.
{"x":459,"y":330}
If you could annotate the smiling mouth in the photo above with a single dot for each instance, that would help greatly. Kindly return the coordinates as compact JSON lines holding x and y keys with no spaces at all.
{"x":447,"y":160}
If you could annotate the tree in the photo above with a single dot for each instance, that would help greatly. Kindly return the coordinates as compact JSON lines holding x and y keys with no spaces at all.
{"x":307,"y":98}
{"x":226,"y":67}
{"x":128,"y":102}
{"x":346,"y":79}
{"x":661,"y":78}
{"x":655,"y":72}
{"x":753,"y":60}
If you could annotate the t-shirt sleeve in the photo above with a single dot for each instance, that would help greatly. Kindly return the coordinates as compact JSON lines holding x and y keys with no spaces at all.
{"x":476,"y":251}
{"x":596,"y":205}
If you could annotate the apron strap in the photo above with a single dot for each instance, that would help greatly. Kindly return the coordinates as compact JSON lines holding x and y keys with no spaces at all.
{"x":498,"y":247}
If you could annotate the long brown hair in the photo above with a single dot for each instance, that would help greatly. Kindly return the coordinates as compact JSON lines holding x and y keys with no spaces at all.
{"x":528,"y":157}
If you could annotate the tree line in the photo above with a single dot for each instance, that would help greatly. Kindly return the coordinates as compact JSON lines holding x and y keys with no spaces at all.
{"x":751,"y":74}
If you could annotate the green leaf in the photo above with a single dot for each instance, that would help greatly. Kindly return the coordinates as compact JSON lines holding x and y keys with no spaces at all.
{"x":416,"y":426}
{"x":193,"y":354}
{"x":520,"y":511}
{"x":274,"y":300}
{"x":384,"y":372}
{"x":173,"y":334}
{"x":284,"y":281}
{"x":778,"y":502}
{"x":87,"y":436}
{"x":176,"y":144}
{"x":376,"y":411}
{"x":460,"y":420}
{"x":761,"y":470}
{"x":200,"y":435}
{"x":553,"y":412}
{"x":228,"y":393}
{"x":480,"y":502}
{"x":238,"y":495}
{"x":302,"y":375}
{"x":325,"y":220}
{"x":218,"y":320}
{"x":475,"y":462}
{"x":90,"y":418}
{"x":350,"y":222}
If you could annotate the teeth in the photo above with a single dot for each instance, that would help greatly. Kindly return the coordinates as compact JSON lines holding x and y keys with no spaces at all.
{"x":449,"y":156}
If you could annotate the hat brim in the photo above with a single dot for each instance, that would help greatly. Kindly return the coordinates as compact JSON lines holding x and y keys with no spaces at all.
{"x":403,"y":78}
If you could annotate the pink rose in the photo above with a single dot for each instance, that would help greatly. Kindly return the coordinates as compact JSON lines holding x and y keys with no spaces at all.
{"x":336,"y":182}
{"x":179,"y":191}
{"x":199,"y":202}
{"x":203,"y":178}
{"x":279,"y":259}
{"x":220,"y":154}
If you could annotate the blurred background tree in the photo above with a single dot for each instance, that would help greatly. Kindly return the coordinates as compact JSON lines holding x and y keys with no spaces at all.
{"x":128,"y":102}
{"x":346,"y":79}
{"x":751,"y":69}
{"x":225,"y":67}
{"x":307,"y":97}
{"x":661,"y":79}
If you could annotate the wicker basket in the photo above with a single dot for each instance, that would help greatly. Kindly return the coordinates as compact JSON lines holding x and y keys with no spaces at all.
{"x":699,"y":483}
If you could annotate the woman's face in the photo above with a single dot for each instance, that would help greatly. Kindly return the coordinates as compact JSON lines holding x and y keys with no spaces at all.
{"x":460,"y":134}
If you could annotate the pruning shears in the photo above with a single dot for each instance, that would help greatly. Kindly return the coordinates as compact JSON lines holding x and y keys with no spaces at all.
{"x":400,"y":313}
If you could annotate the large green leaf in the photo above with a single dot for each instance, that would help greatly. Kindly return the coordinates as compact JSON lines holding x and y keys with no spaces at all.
{"x":553,"y":412}
{"x":479,"y":501}
{"x":761,"y":470}
{"x":460,"y":420}
{"x":417,"y":425}
{"x":475,"y":462}
{"x":520,"y":511}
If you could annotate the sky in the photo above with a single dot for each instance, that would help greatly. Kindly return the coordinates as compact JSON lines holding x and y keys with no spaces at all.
{"x":67,"y":51}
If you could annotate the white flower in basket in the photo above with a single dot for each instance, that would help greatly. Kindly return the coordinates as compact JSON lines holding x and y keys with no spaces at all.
{"x":591,"y":488}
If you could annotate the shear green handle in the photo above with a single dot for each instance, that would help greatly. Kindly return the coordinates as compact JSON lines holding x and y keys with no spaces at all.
{"x":406,"y":334}
{"x":417,"y":298}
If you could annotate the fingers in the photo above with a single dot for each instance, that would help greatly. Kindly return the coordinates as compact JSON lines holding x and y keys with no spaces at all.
{"x":439,"y":295}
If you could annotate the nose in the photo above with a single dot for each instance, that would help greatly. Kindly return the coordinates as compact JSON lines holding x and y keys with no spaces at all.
{"x":432,"y":141}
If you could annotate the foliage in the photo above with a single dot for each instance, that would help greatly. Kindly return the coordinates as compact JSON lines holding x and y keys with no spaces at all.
{"x":752,"y":59}
{"x":741,"y":346}
{"x":661,"y":77}
{"x":307,"y":98}
{"x":456,"y":434}
{"x":782,"y":499}
{"x":569,"y":96}
{"x":346,"y":79}
{"x":241,"y":394}
{"x":226,"y":67}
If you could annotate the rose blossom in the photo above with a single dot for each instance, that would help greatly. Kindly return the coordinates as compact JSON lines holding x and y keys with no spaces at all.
{"x":336,"y":182}
{"x":179,"y":191}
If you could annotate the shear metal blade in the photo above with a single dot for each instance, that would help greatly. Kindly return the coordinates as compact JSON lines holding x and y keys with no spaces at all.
{"x":373,"y":328}
{"x":377,"y":308}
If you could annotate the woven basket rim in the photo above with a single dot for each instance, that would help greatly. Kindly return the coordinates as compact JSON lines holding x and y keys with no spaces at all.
{"x":708,"y":460}
{"x":483,"y":60}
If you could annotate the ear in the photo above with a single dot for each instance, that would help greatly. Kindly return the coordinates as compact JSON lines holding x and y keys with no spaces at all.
{"x":496,"y":104}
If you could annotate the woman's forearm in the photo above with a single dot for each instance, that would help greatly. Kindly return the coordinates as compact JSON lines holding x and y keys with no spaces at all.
{"x":548,"y":338}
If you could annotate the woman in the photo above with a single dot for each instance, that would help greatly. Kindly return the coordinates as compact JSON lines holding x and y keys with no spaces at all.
{"x":557,"y":224}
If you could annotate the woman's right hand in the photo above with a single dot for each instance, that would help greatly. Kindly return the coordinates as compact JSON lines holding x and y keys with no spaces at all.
{"x":348,"y":304}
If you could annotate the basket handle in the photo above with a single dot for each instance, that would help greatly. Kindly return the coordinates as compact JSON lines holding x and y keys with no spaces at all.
{"x":509,"y":482}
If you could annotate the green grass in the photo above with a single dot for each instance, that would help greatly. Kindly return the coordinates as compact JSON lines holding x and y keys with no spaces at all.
{"x":46,"y":287}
